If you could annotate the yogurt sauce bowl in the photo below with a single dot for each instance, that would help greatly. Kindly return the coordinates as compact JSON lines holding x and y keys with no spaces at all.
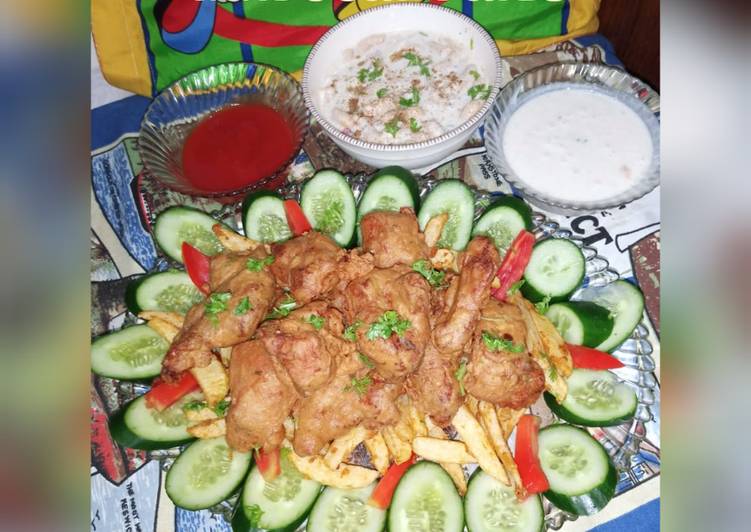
{"x":576,"y":137}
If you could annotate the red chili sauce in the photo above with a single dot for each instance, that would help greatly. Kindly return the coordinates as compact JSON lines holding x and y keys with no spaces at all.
{"x":237,"y":146}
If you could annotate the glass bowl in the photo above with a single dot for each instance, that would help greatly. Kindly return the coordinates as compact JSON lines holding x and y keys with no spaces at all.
{"x":606,"y":79}
{"x":177,"y":110}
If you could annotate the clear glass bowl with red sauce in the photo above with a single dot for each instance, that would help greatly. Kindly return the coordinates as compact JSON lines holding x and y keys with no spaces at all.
{"x":224,"y":130}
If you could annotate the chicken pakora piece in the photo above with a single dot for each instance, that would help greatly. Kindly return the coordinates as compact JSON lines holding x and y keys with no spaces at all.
{"x":393,"y":237}
{"x":434,"y":388}
{"x":501,"y":370}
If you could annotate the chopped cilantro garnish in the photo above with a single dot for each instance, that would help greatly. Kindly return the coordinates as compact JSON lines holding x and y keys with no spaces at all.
{"x":414,"y":126}
{"x":475,"y":74}
{"x":359,"y":386}
{"x":459,"y":374}
{"x":287,"y":305}
{"x":243,"y":306}
{"x":366,"y":361}
{"x":389,"y":323}
{"x":481,"y":90}
{"x":370,"y":74}
{"x":220,"y":409}
{"x":382,"y":92}
{"x":496,"y":343}
{"x":254,"y":515}
{"x":316,"y":321}
{"x":434,"y":277}
{"x":256,"y":265}
{"x":391,"y":127}
{"x":194,"y":405}
{"x":416,"y":60}
{"x":411,"y":101}
{"x":542,"y":306}
{"x":350,"y":333}
{"x":514,"y":288}
{"x":216,"y":303}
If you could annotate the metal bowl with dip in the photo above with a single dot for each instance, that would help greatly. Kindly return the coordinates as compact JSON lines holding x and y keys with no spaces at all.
{"x":576,"y":137}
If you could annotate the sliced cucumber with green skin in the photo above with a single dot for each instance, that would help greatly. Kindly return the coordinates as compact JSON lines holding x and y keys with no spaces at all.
{"x":581,"y":477}
{"x":503,"y":220}
{"x":338,"y":509}
{"x":625,"y":303}
{"x":206,"y":472}
{"x":185,"y":224}
{"x":170,"y":291}
{"x":490,"y":506}
{"x":280,"y":505}
{"x":455,"y":198}
{"x":555,"y":270}
{"x":389,"y":189}
{"x":329,"y":205}
{"x":264,"y":217}
{"x":426,"y":499}
{"x":133,"y":353}
{"x":138,"y":427}
{"x":595,"y":398}
{"x":581,"y":322}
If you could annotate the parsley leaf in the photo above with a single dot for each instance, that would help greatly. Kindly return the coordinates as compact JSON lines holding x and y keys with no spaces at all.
{"x":220,"y":409}
{"x":496,"y":343}
{"x":194,"y":406}
{"x":542,"y":306}
{"x":350,"y":333}
{"x":416,"y":60}
{"x":514,"y":288}
{"x":475,"y":74}
{"x":359,"y":386}
{"x":414,"y":126}
{"x":256,"y":265}
{"x":370,"y":74}
{"x":216,"y":303}
{"x":389,"y":323}
{"x":459,"y":374}
{"x":380,"y":93}
{"x":366,"y":361}
{"x":412,"y":101}
{"x":391,"y":127}
{"x":481,"y":91}
{"x":434,"y":277}
{"x":254,"y":515}
{"x":287,"y":305}
{"x":316,"y":321}
{"x":243,"y":306}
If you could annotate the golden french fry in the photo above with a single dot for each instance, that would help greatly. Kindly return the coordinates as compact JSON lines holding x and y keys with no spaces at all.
{"x":343,"y":446}
{"x":438,"y":450}
{"x":165,"y":329}
{"x":489,"y":422}
{"x":508,"y":419}
{"x":233,"y":241}
{"x":471,"y":403}
{"x":455,"y":471}
{"x":478,"y":444}
{"x":416,"y":422}
{"x":434,"y":228}
{"x":173,"y":318}
{"x":225,"y":353}
{"x":399,"y":449}
{"x":213,"y":380}
{"x":403,"y":427}
{"x":209,"y":429}
{"x":343,"y":477}
{"x":197,"y":416}
{"x":379,"y":452}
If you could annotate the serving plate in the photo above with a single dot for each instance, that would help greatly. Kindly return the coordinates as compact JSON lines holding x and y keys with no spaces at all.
{"x":621,"y":442}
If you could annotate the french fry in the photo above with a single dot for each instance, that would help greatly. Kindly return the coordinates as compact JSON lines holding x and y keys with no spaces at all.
{"x":471,"y":403}
{"x":343,"y":446}
{"x":444,"y":451}
{"x":478,"y":444}
{"x":455,"y":471}
{"x":225,"y":353}
{"x":343,"y":477}
{"x":173,"y":318}
{"x":508,"y":419}
{"x":489,"y":422}
{"x":434,"y":228}
{"x":403,"y":427}
{"x":197,"y":416}
{"x":379,"y":453}
{"x":233,"y":241}
{"x":164,"y":329}
{"x":416,"y":422}
{"x":208,"y":429}
{"x":399,"y":449}
{"x":213,"y":380}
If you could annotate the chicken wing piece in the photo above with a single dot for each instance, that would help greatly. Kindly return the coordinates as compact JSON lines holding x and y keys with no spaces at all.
{"x":239,"y":300}
{"x":392,"y":307}
{"x":307,"y":343}
{"x":393,"y":237}
{"x":262,"y":397}
{"x":434,"y":388}
{"x":466,"y":295}
{"x":352,"y":397}
{"x":500,"y":369}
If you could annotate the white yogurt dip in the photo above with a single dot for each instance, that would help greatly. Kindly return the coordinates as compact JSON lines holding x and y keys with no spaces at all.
{"x":577,"y":144}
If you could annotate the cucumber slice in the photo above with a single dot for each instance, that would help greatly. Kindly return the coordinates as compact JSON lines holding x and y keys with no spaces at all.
{"x":389,"y":189}
{"x":555,"y":270}
{"x":503,"y":220}
{"x":280,"y":505}
{"x":595,"y":399}
{"x":338,"y":509}
{"x":206,"y":473}
{"x":264,"y":218}
{"x":426,"y":499}
{"x":625,"y":303}
{"x":328,"y":203}
{"x":454,"y":197}
{"x":581,"y":322}
{"x":133,"y":353}
{"x":184,"y":224}
{"x":170,"y":291}
{"x":490,"y":505}
{"x":582,"y":478}
{"x":138,"y":427}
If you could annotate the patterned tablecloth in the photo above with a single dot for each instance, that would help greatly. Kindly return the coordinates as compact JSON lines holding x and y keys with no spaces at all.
{"x":127,"y":487}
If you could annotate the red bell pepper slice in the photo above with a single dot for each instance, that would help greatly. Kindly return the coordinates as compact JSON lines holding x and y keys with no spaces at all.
{"x":198,"y":266}
{"x":588,"y":358}
{"x":164,"y":394}
{"x":384,"y":491}
{"x":514,"y":263}
{"x":525,"y":455}
{"x":269,"y":464}
{"x":296,"y":219}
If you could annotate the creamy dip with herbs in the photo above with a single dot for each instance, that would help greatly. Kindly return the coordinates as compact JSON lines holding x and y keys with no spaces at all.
{"x":403,"y":87}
